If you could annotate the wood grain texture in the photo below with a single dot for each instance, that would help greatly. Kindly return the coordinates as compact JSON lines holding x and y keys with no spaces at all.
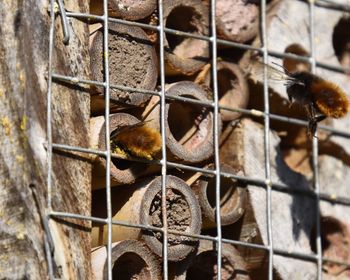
{"x":335,"y":227}
{"x":24,"y":49}
{"x":293,"y":215}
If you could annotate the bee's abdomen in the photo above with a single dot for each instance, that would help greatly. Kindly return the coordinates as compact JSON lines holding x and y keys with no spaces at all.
{"x":329,"y":99}
{"x":141,"y":141}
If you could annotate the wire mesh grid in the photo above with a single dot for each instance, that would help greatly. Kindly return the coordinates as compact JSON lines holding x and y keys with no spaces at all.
{"x":265,"y":182}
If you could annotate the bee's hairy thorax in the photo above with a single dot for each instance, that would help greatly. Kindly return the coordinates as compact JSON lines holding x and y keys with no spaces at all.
{"x":299,"y":89}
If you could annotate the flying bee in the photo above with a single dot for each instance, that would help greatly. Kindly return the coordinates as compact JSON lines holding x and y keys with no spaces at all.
{"x":319,"y":97}
{"x":139,"y":140}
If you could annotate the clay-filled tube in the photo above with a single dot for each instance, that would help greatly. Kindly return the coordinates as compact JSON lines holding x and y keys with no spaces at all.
{"x":233,"y":196}
{"x":131,"y":259}
{"x":132,"y":63}
{"x":188,"y":126}
{"x":141,"y":204}
{"x":183,"y":54}
{"x":125,"y":9}
{"x":232,"y":87}
{"x":205,"y":264}
{"x":124,"y":170}
{"x":237,"y":20}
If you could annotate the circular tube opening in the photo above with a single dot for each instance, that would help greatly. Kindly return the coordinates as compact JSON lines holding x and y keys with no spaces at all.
{"x":178,"y":215}
{"x":232,"y":88}
{"x":122,"y":164}
{"x":130,"y":266}
{"x":132,"y":60}
{"x":183,"y":214}
{"x":293,"y":65}
{"x":123,"y":170}
{"x":189,"y":124}
{"x":119,"y":163}
{"x":225,"y":82}
{"x":341,"y":41}
{"x":186,"y":19}
{"x":130,"y":9}
{"x":228,"y":195}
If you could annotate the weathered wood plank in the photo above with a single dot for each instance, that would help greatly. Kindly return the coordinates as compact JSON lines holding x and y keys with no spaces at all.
{"x":335,"y":225}
{"x":293,"y":215}
{"x":24,"y":32}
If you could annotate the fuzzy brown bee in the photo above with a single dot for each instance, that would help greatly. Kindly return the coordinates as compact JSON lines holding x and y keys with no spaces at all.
{"x":139,"y":140}
{"x":320,"y":98}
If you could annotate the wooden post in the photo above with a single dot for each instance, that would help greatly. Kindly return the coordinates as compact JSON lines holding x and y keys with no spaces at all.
{"x":24,"y":53}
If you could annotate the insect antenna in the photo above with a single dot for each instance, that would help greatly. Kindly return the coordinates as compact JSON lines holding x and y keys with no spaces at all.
{"x":284,"y":68}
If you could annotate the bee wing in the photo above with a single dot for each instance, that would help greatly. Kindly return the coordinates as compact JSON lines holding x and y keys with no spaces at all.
{"x":273,"y":74}
{"x":128,"y":128}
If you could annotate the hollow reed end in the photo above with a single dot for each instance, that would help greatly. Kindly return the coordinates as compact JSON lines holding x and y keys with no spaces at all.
{"x":125,"y":9}
{"x":183,"y":54}
{"x":126,"y":207}
{"x":133,"y":63}
{"x":123,"y":169}
{"x":131,"y":259}
{"x":232,"y":201}
{"x":188,"y":126}
{"x":183,"y":214}
{"x":232,"y":87}
{"x":237,"y":20}
{"x":141,"y":204}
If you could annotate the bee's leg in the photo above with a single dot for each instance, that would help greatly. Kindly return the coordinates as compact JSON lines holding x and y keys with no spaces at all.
{"x":313,"y":124}
{"x":313,"y":119}
{"x":312,"y":127}
{"x":291,"y":102}
{"x":320,"y":118}
{"x":290,"y":99}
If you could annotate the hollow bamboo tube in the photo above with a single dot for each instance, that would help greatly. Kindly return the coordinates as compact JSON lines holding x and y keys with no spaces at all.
{"x":131,"y":259}
{"x":232,"y":86}
{"x":292,"y":65}
{"x":233,"y":196}
{"x":237,"y":20}
{"x":133,"y":63}
{"x":183,"y":54}
{"x":141,"y":204}
{"x":123,"y":171}
{"x":125,"y":9}
{"x":205,"y":263}
{"x":188,"y":127}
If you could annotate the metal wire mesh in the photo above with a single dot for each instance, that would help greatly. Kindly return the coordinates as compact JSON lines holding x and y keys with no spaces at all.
{"x":265,"y":182}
